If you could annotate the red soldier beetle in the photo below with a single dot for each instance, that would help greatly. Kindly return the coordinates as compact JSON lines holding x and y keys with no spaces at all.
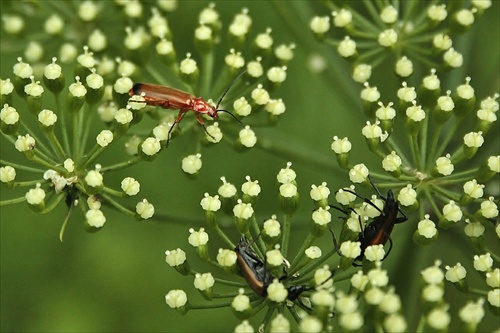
{"x":379,"y":230}
{"x":174,"y":99}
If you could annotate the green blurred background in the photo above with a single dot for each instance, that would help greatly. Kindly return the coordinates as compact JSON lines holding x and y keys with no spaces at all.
{"x":116,"y":280}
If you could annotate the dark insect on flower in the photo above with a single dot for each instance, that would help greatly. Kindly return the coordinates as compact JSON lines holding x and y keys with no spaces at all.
{"x":379,"y":230}
{"x":259,"y":277}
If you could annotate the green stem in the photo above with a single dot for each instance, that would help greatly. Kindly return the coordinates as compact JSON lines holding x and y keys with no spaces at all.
{"x":122,"y":165}
{"x":21,"y":167}
{"x":222,"y":235}
{"x":207,"y":72}
{"x":91,"y":156}
{"x":433,"y":204}
{"x":27,"y":183}
{"x":285,"y":238}
{"x":448,"y":194}
{"x":450,"y":133}
{"x":41,"y":148}
{"x":301,"y":253}
{"x":57,"y":145}
{"x":87,"y":126}
{"x":116,"y":193}
{"x":12,"y":201}
{"x":415,"y":151}
{"x":64,"y":128}
{"x":118,"y":206}
{"x":65,"y":222}
{"x":54,"y":203}
{"x":76,"y":134}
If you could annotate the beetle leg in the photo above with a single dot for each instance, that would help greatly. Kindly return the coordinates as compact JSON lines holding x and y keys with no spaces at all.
{"x":390,"y":248}
{"x":177,"y":120}
{"x":203,"y":125}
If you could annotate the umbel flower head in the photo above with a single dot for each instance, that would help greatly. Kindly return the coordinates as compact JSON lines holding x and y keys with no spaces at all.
{"x":296,"y":283}
{"x":98,"y":91}
{"x":371,"y":35}
{"x":192,"y":83}
{"x":434,"y":143}
{"x":56,"y":158}
{"x":260,"y":277}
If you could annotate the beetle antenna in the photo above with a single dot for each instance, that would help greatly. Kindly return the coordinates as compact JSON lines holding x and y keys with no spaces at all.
{"x":232,"y":115}
{"x":227,"y":89}
{"x":368,"y":201}
{"x":376,"y":189}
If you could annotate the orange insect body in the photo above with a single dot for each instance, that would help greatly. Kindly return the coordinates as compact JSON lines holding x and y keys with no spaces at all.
{"x":174,"y":99}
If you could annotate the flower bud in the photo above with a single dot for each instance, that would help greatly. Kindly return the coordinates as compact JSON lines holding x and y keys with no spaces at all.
{"x":191,"y":165}
{"x":166,"y":52}
{"x":23,"y":72}
{"x":472,"y":142}
{"x":472,"y":191}
{"x":456,"y":275}
{"x":9,"y":120}
{"x":76,"y":96}
{"x":451,"y":215}
{"x":271,"y":231}
{"x":370,"y":97}
{"x":95,"y":84}
{"x":53,"y":77}
{"x":7,"y":175}
{"x":228,"y":195}
{"x":319,"y":26}
{"x":34,"y":92}
{"x":188,"y":70}
{"x":414,"y":116}
{"x":341,"y":147}
{"x":320,"y":219}
{"x":347,"y":48}
{"x":349,"y":251}
{"x":288,"y":198}
{"x":489,"y":209}
{"x":94,"y":220}
{"x":203,"y":38}
{"x":429,"y":89}
{"x":276,"y":292}
{"x":227,"y":259}
{"x":177,"y":259}
{"x":238,"y":29}
{"x":243,"y":213}
{"x":444,"y":108}
{"x":210,"y":205}
{"x":204,"y":283}
{"x":177,"y":299}
{"x":426,"y":232}
{"x":320,"y":195}
{"x":35,"y":197}
{"x":144,"y":210}
{"x":241,"y":306}
{"x":246,"y":138}
{"x":464,"y":99}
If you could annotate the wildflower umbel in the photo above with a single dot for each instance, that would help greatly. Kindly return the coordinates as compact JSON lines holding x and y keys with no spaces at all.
{"x":274,"y":280}
{"x":99,"y":88}
{"x":405,"y":32}
{"x":147,"y":53}
{"x":434,"y":144}
{"x":243,"y":86}
{"x":260,"y":256}
{"x":59,"y":152}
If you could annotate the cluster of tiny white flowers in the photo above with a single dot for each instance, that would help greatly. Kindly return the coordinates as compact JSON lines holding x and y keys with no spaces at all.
{"x":392,"y":34}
